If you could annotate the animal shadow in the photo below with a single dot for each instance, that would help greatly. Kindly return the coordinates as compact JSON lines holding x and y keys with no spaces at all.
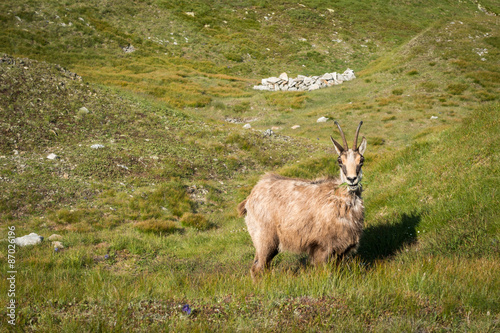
{"x":380,"y":242}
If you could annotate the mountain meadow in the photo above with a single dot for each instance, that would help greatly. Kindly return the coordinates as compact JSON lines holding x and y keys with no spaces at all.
{"x":121,"y":132}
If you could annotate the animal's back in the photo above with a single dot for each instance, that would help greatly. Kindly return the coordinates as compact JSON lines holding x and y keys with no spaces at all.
{"x":302,"y":213}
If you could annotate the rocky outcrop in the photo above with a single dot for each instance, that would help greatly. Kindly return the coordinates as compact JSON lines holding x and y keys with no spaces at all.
{"x":304,"y":83}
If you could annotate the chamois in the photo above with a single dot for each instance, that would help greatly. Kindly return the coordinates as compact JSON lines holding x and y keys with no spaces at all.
{"x":319,"y":217}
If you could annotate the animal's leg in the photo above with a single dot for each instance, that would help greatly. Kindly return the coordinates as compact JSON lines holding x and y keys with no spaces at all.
{"x":320,"y":256}
{"x":262,"y":259}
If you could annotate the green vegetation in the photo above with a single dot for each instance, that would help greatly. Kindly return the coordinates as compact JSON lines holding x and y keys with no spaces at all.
{"x":152,"y":160}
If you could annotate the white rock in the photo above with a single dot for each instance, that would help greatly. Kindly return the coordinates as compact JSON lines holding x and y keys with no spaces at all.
{"x":83,"y":110}
{"x":261,"y":88}
{"x":434,"y":117}
{"x":58,"y":245}
{"x":295,"y":126}
{"x":349,"y":75}
{"x":97,"y":146}
{"x":55,"y":237}
{"x":52,"y":156}
{"x":31,"y":239}
{"x":247,"y":126}
{"x":268,"y":132}
{"x":284,"y":76}
{"x":322,"y":120}
{"x":327,"y":76}
{"x":273,"y":80}
{"x":314,"y":86}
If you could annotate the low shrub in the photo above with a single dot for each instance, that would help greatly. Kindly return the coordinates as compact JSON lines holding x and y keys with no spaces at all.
{"x":197,"y":221}
{"x":157,"y":226}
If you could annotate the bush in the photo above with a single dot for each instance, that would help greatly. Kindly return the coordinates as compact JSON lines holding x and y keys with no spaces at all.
{"x":157,"y":226}
{"x":197,"y":221}
{"x":456,"y":88}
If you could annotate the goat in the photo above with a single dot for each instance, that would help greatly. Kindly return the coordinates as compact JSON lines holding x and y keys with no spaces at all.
{"x":318,"y":217}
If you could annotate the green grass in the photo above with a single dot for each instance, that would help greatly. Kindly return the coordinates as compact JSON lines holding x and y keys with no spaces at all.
{"x":149,"y":220}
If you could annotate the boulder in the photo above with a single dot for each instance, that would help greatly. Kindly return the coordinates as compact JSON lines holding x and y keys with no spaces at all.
{"x":322,"y":120}
{"x":31,"y":239}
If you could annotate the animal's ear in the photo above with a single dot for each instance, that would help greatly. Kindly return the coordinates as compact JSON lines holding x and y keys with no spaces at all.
{"x":338,"y":147}
{"x":362,"y":146}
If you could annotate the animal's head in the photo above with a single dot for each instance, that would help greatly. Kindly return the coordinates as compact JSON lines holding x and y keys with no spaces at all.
{"x":350,"y":160}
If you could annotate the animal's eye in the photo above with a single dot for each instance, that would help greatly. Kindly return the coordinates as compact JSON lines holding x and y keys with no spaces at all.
{"x":339,"y":160}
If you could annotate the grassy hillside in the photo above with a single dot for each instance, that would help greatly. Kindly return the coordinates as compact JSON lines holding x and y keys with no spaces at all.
{"x":148,"y":218}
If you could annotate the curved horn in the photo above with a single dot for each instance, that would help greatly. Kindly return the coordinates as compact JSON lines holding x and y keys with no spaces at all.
{"x":356,"y":137}
{"x":343,"y":136}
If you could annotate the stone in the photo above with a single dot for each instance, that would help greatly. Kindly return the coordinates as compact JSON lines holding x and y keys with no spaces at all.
{"x":83,"y":110}
{"x":52,"y":156}
{"x":314,"y":86}
{"x":349,"y":75}
{"x":268,"y":132}
{"x":31,"y":239}
{"x":322,"y":120}
{"x":295,"y":126}
{"x":129,"y":48}
{"x":273,"y":80}
{"x":327,"y":76}
{"x":55,"y":237}
{"x":304,"y":83}
{"x":247,"y":126}
{"x":58,"y":245}
{"x":97,"y":146}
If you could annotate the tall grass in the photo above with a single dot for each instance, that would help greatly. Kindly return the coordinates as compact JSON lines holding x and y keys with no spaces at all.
{"x":149,"y":222}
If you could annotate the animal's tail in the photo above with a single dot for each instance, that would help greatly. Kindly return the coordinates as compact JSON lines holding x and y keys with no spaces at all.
{"x":241,"y":208}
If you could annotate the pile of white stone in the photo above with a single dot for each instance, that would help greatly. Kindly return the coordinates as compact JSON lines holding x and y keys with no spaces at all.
{"x":304,"y":83}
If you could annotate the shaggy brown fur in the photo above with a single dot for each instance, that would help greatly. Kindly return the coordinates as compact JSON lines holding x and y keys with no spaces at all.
{"x":316,"y":217}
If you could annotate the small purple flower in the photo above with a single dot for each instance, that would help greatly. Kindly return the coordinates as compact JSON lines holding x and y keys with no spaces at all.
{"x":106,"y":256}
{"x":186,"y":309}
{"x":56,"y":249}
